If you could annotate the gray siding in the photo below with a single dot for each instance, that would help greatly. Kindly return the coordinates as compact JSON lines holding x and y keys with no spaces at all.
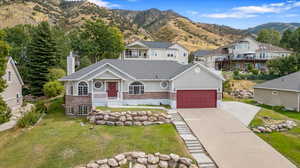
{"x":283,"y":98}
{"x":14,"y":87}
{"x":197,"y":80}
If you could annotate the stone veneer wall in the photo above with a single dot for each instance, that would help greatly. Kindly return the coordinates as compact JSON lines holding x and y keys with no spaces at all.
{"x":128,"y":118}
{"x":142,"y":160}
{"x":73,"y":102}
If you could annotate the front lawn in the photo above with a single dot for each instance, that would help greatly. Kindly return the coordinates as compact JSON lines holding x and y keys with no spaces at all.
{"x":59,"y":142}
{"x":287,"y":143}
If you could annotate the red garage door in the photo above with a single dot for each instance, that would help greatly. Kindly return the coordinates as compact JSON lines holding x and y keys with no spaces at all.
{"x":196,"y":98}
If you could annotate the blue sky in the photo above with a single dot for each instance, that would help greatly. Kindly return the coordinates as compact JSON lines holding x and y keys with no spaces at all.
{"x":235,"y":13}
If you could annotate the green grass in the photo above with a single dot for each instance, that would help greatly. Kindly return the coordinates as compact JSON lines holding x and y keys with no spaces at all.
{"x":59,"y":142}
{"x":129,"y":109}
{"x":287,"y":143}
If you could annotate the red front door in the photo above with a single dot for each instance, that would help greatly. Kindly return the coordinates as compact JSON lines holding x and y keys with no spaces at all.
{"x":112,"y":89}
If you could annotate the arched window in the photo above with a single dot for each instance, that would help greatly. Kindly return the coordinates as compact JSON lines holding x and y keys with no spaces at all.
{"x":136,"y":88}
{"x":82,"y":89}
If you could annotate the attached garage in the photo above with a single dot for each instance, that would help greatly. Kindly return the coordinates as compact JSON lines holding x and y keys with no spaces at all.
{"x":196,"y":98}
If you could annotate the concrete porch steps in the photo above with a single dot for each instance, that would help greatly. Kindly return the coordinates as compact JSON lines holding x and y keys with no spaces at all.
{"x":192,"y":143}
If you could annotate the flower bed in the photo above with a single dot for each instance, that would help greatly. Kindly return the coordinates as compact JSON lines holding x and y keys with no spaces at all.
{"x":128,"y":118}
{"x":142,"y":160}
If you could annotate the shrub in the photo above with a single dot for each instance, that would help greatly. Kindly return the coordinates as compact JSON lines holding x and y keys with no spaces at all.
{"x":52,"y":89}
{"x":5,"y":112}
{"x":55,"y":73}
{"x":29,"y":119}
{"x":278,"y":108}
{"x":236,"y":73}
{"x":41,"y":107}
{"x":255,"y":71}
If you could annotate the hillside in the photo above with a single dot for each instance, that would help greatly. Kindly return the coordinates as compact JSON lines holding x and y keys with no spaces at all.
{"x":151,"y":24}
{"x":281,"y":27}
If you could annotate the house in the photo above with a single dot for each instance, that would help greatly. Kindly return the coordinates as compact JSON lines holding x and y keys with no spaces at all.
{"x":152,"y":50}
{"x":116,"y":82}
{"x":283,"y":91}
{"x":240,"y":54}
{"x":12,"y":94}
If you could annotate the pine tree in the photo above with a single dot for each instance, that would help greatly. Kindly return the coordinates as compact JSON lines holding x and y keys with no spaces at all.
{"x":41,"y":56}
{"x":4,"y":49}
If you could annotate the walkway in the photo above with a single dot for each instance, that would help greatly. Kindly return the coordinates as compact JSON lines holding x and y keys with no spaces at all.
{"x":230,"y":143}
{"x":242,"y":111}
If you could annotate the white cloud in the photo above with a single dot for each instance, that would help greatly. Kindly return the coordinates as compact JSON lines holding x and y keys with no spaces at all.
{"x":102,"y":3}
{"x":253,"y":11}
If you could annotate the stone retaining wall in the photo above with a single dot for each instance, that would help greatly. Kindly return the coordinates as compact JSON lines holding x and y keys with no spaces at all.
{"x":142,"y":160}
{"x":280,"y":127}
{"x":128,"y":118}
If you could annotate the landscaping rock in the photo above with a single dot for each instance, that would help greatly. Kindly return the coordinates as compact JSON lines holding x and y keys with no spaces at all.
{"x":112,"y":162}
{"x":142,"y":160}
{"x":138,"y":154}
{"x":185,"y":161}
{"x":163,"y":164}
{"x":153,"y":159}
{"x":100,"y":162}
{"x":120,"y":157}
{"x":104,"y":166}
{"x":123,"y":162}
{"x":174,"y":157}
{"x":164,"y":157}
{"x":139,"y":166}
{"x":152,"y":166}
{"x":92,"y":165}
{"x":182,"y":166}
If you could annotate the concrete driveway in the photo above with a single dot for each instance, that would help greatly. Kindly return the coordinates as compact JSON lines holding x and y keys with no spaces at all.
{"x":242,"y":111}
{"x":230,"y":143}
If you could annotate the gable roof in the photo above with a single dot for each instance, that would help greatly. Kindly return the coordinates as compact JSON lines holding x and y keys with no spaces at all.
{"x":289,"y":82}
{"x":12,"y":62}
{"x":157,"y":44}
{"x":137,"y":69}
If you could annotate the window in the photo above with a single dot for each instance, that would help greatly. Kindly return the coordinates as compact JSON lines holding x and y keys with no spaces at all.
{"x":83,"y":110}
{"x":17,"y":97}
{"x":98,"y":84}
{"x":82,"y":89}
{"x":71,"y":90}
{"x":9,"y":76}
{"x":70,"y":110}
{"x":164,"y":84}
{"x":136,"y":88}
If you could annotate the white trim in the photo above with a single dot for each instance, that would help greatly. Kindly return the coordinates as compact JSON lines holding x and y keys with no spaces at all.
{"x":299,"y":102}
{"x":129,"y":84}
{"x":11,"y":60}
{"x":78,"y":88}
{"x":102,"y":84}
{"x":289,"y":90}
{"x":106,"y":70}
{"x":137,"y":43}
{"x":165,"y":86}
{"x":201,"y":66}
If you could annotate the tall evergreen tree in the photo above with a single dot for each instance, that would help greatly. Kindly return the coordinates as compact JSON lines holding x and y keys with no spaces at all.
{"x":4,"y":49}
{"x":41,"y":56}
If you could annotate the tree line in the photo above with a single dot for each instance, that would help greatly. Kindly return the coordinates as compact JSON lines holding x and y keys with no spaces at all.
{"x":40,"y":51}
{"x":290,"y":40}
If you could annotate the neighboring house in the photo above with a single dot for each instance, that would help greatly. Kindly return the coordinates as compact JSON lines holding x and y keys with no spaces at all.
{"x":115,"y":82}
{"x":283,"y":91}
{"x":151,"y":50}
{"x":240,"y":54}
{"x":12,"y":95}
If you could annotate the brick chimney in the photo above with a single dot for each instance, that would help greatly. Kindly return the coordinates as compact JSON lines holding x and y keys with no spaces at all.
{"x":70,"y":64}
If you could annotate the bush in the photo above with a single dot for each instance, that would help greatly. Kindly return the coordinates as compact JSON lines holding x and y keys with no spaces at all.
{"x":29,"y":119}
{"x":236,"y":73}
{"x":55,"y":74}
{"x":52,"y":89}
{"x":41,"y":107}
{"x":5,"y":112}
{"x":255,"y":71}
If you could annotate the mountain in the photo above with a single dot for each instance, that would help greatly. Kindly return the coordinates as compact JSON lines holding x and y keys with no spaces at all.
{"x":152,"y":24}
{"x":281,"y":27}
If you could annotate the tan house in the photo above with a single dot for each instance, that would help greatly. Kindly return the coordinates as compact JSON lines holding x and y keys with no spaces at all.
{"x":12,"y":95}
{"x":116,"y":82}
{"x":283,"y":91}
